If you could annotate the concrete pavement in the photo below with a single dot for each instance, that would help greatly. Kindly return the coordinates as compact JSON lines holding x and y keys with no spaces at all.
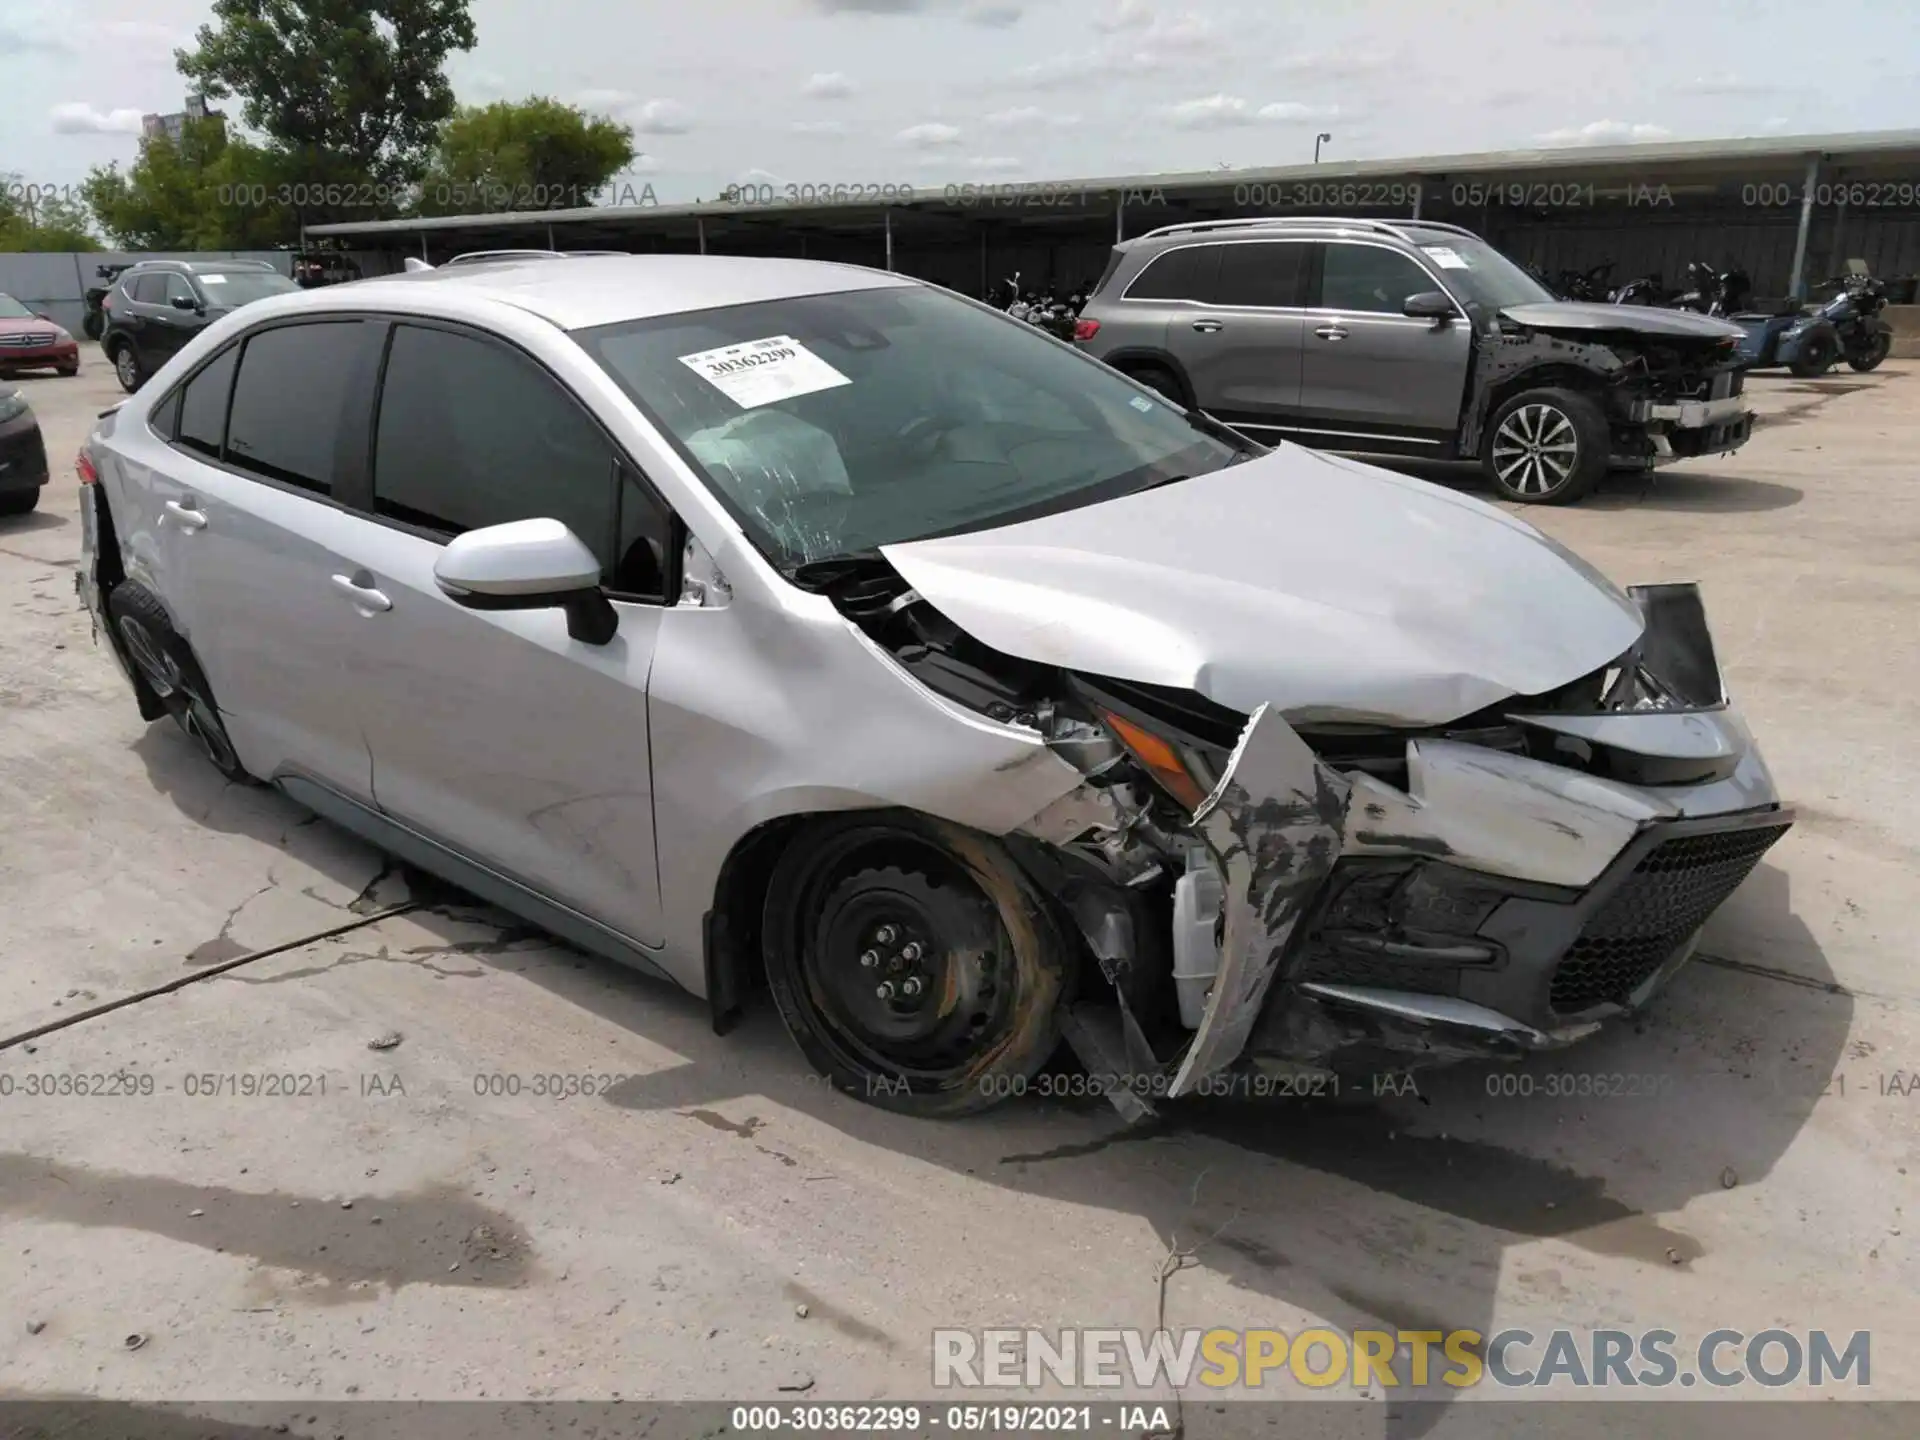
{"x":282,"y":1212}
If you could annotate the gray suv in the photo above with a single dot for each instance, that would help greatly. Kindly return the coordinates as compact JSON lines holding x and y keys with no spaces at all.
{"x":1413,"y":338}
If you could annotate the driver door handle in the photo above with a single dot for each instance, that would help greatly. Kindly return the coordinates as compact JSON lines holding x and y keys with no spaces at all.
{"x":1207,"y":327}
{"x":1331,"y":332}
{"x":185,"y":516}
{"x":359,"y":588}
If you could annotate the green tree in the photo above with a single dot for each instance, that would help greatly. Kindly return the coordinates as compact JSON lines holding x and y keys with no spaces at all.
{"x":180,"y":196}
{"x":30,"y":221}
{"x":537,"y":154}
{"x":349,"y":92}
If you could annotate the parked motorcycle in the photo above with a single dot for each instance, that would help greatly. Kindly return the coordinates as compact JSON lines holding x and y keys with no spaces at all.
{"x":1588,"y":284}
{"x":95,"y":322}
{"x":1647,"y":290}
{"x":1811,"y":339}
{"x":1865,"y":336}
{"x":1714,"y":292}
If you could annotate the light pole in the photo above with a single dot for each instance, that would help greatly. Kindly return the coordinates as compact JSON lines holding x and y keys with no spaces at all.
{"x":1317,"y":140}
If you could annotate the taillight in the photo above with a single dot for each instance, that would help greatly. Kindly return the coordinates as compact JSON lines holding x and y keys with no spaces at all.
{"x":83,"y":467}
{"x":1085,"y":329}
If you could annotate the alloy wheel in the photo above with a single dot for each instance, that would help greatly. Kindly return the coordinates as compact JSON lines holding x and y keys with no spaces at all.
{"x":1535,"y":450}
{"x":185,"y":699}
{"x":126,"y":367}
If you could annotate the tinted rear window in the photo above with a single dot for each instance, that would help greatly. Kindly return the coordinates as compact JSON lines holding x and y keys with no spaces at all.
{"x":1261,"y":274}
{"x":288,"y":401}
{"x":1183,"y":274}
{"x":203,"y":406}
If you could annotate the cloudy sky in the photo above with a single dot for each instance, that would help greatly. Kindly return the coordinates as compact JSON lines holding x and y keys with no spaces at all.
{"x":937,"y":91}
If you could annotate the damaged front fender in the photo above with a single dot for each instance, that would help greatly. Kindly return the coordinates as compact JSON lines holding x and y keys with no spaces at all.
{"x":1274,"y":825}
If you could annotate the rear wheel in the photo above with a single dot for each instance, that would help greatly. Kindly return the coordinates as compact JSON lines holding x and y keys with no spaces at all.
{"x":1546,"y":447}
{"x":166,"y":665}
{"x":1869,"y":355}
{"x":19,"y":502}
{"x":126,"y":366}
{"x":913,"y":962}
{"x":1816,"y":357}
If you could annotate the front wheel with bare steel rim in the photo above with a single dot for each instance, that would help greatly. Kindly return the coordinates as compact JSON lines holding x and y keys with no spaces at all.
{"x":913,"y":962}
{"x":165,"y":665}
{"x":1546,"y":447}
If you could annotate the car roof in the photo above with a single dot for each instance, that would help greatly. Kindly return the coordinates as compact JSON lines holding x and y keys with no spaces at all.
{"x":579,"y":291}
{"x":201,"y":267}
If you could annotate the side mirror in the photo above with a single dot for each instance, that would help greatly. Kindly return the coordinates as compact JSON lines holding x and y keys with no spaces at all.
{"x":529,"y":565}
{"x":185,"y":302}
{"x":1428,"y":305}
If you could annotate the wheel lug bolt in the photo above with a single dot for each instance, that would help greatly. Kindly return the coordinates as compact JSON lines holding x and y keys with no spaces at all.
{"x":884,"y":935}
{"x":912,"y":952}
{"x":885,"y":992}
{"x":869,"y":958}
{"x":911,"y":986}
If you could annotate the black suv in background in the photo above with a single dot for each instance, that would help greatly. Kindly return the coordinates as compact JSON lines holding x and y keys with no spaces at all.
{"x":157,"y":306}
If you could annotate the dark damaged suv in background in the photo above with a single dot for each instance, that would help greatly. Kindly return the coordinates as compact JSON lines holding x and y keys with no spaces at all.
{"x":1418,"y":339}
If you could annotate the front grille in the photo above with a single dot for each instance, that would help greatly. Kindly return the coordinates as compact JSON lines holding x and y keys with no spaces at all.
{"x":27,"y":340}
{"x":1669,"y":895}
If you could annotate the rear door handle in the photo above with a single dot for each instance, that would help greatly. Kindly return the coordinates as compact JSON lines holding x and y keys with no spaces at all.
{"x":1331,"y":332}
{"x":185,"y":516}
{"x":1207,"y":327}
{"x":359,"y":588}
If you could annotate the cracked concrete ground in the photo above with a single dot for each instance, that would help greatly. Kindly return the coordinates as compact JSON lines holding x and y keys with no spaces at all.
{"x":281,"y":1211}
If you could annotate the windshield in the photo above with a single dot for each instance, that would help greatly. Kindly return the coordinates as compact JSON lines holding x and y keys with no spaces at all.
{"x":834,"y":424}
{"x":12,"y":309}
{"x":1481,"y":273}
{"x":243,"y":287}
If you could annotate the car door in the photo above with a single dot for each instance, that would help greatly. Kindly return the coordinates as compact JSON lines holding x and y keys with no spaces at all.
{"x":175,"y":318}
{"x":1371,"y":373}
{"x":139,"y":299}
{"x":494,"y":732}
{"x":1241,"y":347}
{"x":242,"y":462}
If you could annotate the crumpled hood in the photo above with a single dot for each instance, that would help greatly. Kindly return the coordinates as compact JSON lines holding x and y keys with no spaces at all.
{"x":1330,"y":589}
{"x":1652,"y":321}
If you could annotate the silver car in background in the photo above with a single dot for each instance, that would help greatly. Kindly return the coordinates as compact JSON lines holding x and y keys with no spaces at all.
{"x":750,"y":619}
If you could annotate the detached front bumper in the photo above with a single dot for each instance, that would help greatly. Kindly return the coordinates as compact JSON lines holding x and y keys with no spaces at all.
{"x":1664,"y":431}
{"x":1501,"y":903}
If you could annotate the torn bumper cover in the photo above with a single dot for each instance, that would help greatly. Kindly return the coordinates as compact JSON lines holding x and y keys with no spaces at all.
{"x":1501,"y":903}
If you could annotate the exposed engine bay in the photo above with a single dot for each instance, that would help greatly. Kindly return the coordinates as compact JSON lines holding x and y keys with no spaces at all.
{"x":1669,"y":393}
{"x":1323,"y":895}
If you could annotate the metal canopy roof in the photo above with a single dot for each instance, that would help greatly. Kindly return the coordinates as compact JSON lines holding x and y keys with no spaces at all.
{"x":1858,"y":155}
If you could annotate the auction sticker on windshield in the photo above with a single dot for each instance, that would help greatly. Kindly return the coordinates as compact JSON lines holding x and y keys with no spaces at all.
{"x":213,"y":279}
{"x":759,"y":372}
{"x":1447,"y":257}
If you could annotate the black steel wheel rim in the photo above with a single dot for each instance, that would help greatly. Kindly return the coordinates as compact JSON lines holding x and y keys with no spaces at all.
{"x":906,"y":973}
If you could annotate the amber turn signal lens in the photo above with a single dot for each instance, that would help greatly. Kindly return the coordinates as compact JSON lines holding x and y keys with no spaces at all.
{"x":1160,"y":759}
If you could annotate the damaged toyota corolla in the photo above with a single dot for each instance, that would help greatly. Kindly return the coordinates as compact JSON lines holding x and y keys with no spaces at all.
{"x":752,"y":618}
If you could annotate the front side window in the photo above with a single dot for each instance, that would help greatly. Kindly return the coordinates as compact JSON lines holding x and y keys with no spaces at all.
{"x":289,"y":400}
{"x":149,"y":289}
{"x":12,"y":309}
{"x":179,"y":289}
{"x":831,"y":425}
{"x":471,"y":433}
{"x":1370,"y":278}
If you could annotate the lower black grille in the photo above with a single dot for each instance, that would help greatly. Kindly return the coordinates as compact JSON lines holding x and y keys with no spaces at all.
{"x":1668,"y":895}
